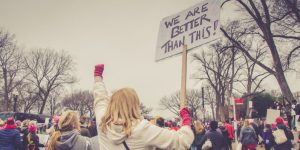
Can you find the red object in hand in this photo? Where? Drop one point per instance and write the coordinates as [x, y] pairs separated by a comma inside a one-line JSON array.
[[98, 70], [185, 116]]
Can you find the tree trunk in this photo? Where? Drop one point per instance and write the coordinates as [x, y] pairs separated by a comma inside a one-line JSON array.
[[284, 87], [213, 111], [222, 114], [279, 73], [43, 104], [6, 96], [217, 111]]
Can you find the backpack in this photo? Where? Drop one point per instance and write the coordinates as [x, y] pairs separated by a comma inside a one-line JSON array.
[[279, 136]]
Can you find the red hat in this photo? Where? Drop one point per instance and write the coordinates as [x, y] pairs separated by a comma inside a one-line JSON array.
[[10, 121], [32, 128], [279, 120]]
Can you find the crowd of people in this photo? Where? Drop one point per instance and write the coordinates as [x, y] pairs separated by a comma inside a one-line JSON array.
[[119, 125]]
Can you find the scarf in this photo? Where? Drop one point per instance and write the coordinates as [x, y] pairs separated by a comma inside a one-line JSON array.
[[9, 126]]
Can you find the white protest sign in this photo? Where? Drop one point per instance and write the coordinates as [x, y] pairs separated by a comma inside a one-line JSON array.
[[43, 139], [272, 114], [193, 27]]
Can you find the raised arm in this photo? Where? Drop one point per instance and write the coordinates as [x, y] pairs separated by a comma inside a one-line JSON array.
[[100, 94]]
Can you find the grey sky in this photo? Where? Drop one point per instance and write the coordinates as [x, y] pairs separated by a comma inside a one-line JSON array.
[[121, 34]]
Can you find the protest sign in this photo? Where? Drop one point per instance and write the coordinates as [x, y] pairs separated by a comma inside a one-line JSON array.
[[43, 139], [272, 114], [194, 26]]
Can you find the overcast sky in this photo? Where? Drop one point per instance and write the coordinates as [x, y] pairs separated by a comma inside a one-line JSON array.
[[121, 34]]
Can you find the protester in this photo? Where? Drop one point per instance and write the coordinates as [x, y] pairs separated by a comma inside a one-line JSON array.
[[33, 139], [199, 132], [230, 130], [224, 133], [216, 138], [248, 136], [121, 125], [10, 136], [293, 113], [160, 122], [18, 125], [287, 145], [2, 123], [83, 127], [54, 127], [174, 126], [24, 131], [93, 128], [68, 137], [267, 137]]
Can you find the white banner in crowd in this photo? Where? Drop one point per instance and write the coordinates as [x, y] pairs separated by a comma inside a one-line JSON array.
[[43, 139], [194, 26], [272, 114]]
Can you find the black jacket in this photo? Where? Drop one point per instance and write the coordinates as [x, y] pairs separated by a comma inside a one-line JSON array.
[[217, 139]]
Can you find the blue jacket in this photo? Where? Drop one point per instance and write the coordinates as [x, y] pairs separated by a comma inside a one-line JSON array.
[[9, 139]]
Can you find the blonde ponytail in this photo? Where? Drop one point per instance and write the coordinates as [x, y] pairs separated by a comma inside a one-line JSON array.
[[68, 121], [53, 140]]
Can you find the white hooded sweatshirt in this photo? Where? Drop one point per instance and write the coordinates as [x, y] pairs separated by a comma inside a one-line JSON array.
[[144, 136]]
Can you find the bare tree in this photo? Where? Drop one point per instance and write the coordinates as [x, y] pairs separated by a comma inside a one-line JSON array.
[[54, 105], [194, 102], [145, 110], [27, 97], [81, 101], [48, 70], [218, 69], [11, 64], [275, 29]]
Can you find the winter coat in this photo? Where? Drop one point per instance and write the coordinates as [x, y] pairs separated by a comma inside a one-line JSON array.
[[288, 144], [33, 142], [95, 143], [198, 138], [85, 131], [230, 130], [267, 137], [72, 140], [218, 141], [248, 136], [93, 131], [9, 139], [24, 131], [144, 135]]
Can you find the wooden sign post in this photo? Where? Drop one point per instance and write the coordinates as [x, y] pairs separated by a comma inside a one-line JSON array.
[[183, 100]]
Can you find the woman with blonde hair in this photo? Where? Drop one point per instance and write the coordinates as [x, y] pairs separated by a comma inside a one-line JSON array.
[[199, 132], [68, 136], [248, 136], [121, 125]]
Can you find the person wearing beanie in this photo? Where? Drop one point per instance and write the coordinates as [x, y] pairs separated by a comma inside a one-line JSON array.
[[217, 139], [122, 126], [288, 133], [10, 136], [54, 127], [33, 139]]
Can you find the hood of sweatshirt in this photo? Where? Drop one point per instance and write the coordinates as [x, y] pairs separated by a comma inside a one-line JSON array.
[[68, 140], [117, 135]]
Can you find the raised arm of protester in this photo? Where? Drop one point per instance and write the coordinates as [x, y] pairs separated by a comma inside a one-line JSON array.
[[121, 125]]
